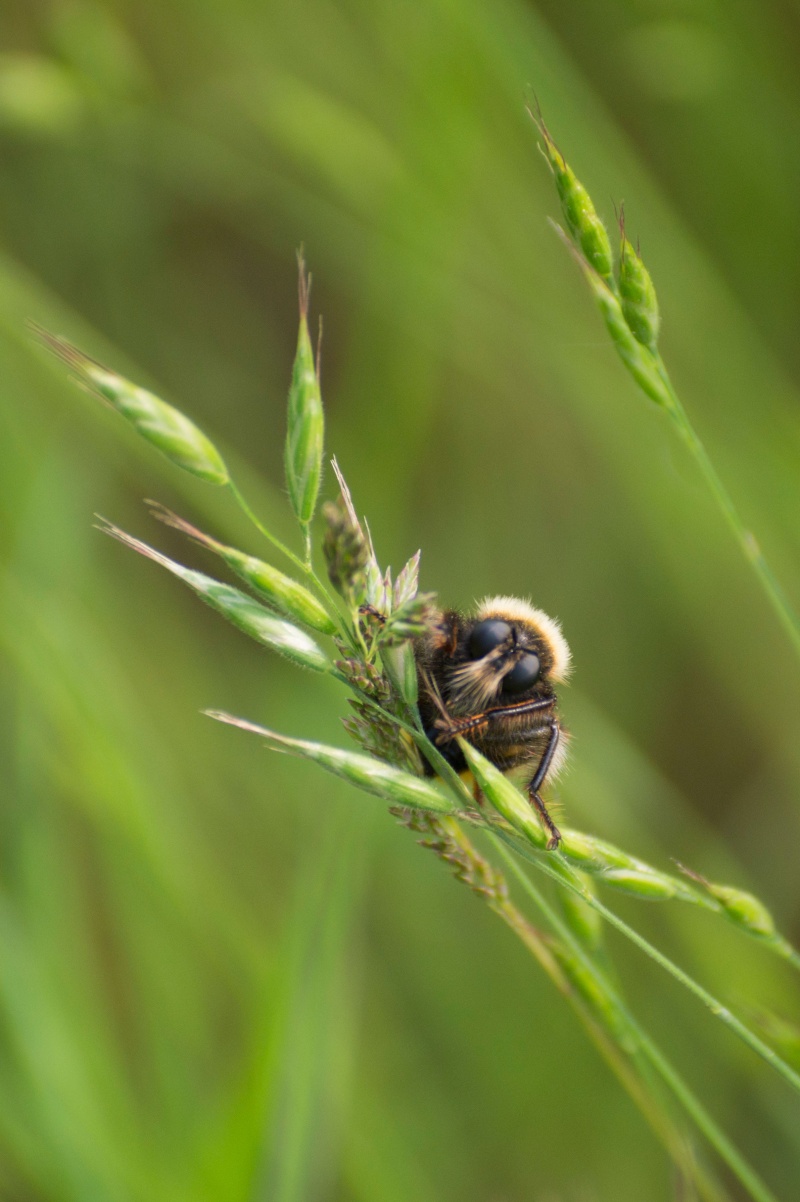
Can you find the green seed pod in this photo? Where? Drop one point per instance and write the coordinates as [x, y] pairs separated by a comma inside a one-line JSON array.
[[579, 212], [638, 296], [744, 909], [650, 885], [507, 800], [238, 608], [606, 855], [741, 907], [278, 590], [161, 424], [306, 424], [374, 776], [579, 847], [637, 358]]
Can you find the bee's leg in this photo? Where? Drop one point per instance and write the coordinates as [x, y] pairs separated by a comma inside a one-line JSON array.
[[550, 826], [452, 727], [536, 784]]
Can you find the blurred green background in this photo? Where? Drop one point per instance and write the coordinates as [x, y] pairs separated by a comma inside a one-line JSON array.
[[221, 975]]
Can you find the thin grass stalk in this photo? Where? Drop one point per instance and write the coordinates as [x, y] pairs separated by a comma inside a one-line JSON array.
[[469, 866], [556, 867], [691, 1103], [626, 1072], [785, 611], [510, 803]]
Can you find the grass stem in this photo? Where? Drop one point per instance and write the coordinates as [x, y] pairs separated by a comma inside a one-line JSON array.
[[555, 866], [693, 1106], [780, 603]]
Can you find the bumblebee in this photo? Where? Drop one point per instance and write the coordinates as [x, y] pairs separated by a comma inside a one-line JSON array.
[[490, 679]]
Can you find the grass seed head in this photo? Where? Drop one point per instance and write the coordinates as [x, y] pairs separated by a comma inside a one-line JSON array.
[[380, 736], [744, 909], [345, 546], [579, 212], [366, 677], [409, 620], [741, 907], [637, 293], [239, 609], [638, 359], [446, 840], [306, 424], [505, 798], [374, 776], [346, 553], [161, 424], [280, 591], [652, 886], [407, 583]]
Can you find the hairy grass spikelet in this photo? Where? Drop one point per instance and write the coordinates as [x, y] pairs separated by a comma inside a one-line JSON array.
[[239, 609], [401, 668], [446, 840], [505, 798], [408, 620], [407, 582], [613, 866], [169, 430], [740, 906], [630, 311], [374, 776], [637, 358], [306, 424], [579, 212], [346, 553], [280, 591], [653, 886], [637, 293], [744, 909]]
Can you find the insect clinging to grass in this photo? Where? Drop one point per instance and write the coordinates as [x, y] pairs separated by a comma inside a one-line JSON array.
[[490, 679]]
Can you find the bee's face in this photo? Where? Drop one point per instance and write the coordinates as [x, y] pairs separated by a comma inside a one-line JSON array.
[[507, 652]]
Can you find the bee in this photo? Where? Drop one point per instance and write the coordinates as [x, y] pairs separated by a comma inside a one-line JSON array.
[[490, 679]]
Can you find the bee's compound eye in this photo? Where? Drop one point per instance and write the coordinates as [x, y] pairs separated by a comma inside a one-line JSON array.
[[486, 636], [523, 675]]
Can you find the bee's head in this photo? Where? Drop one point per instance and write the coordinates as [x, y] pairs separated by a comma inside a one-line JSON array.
[[508, 651]]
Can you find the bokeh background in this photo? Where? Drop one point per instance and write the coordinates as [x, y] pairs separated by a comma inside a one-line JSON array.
[[223, 976]]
